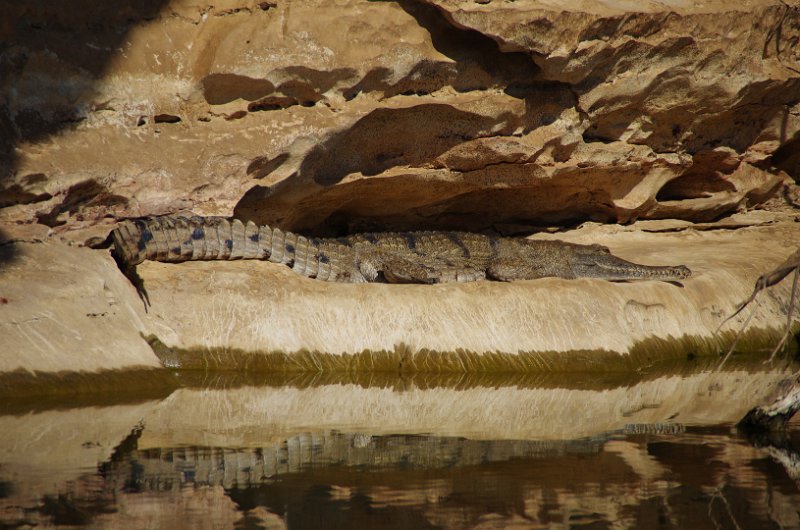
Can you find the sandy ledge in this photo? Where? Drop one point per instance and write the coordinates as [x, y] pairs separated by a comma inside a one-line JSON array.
[[69, 308], [258, 316]]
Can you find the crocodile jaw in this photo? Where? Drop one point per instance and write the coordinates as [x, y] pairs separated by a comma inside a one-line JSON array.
[[608, 267]]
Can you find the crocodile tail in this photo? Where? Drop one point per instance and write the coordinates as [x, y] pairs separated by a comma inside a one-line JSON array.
[[293, 250], [177, 238]]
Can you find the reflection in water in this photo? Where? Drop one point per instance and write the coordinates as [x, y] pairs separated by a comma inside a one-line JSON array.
[[705, 478], [223, 458]]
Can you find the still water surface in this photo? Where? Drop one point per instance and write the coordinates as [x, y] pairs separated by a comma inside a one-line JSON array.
[[656, 450]]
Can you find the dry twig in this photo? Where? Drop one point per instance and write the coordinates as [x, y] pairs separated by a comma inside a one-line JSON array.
[[775, 276]]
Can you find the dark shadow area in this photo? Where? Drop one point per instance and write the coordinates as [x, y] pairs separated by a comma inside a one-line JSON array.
[[219, 89], [17, 194], [302, 84], [7, 255], [392, 137], [308, 84], [88, 193], [22, 392], [478, 62], [473, 52], [501, 209], [787, 158], [263, 166], [55, 52], [707, 175], [445, 201]]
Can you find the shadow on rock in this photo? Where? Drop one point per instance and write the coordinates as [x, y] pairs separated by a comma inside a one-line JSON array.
[[8, 252], [408, 137], [60, 51], [480, 63]]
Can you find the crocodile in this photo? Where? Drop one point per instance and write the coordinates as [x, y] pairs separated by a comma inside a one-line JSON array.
[[389, 257]]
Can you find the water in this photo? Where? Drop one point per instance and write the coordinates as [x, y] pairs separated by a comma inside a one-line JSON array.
[[654, 450]]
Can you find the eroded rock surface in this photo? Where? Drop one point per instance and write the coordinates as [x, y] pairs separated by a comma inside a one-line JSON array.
[[400, 115], [498, 116]]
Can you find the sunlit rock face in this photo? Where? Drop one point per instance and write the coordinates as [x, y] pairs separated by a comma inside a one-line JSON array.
[[332, 118], [398, 115], [65, 308], [68, 308]]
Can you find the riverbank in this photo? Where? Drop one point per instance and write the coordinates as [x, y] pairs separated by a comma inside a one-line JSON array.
[[69, 309]]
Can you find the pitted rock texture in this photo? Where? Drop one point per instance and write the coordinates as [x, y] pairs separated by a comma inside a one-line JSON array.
[[335, 118]]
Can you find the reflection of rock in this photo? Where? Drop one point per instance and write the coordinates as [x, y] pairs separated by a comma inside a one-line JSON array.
[[251, 416], [622, 479], [165, 468], [625, 482], [43, 452], [578, 447]]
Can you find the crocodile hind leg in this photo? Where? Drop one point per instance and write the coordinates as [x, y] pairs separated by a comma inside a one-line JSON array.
[[395, 269], [400, 270], [381, 264]]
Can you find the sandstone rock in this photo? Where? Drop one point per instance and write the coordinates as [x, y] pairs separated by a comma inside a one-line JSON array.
[[70, 308], [401, 115], [458, 114], [664, 74], [64, 308]]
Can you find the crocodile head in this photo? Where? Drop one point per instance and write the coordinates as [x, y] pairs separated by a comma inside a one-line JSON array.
[[596, 261]]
